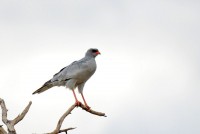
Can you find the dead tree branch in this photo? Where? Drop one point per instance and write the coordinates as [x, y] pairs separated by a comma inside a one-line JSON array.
[[92, 111], [11, 123], [2, 131], [59, 124], [66, 130]]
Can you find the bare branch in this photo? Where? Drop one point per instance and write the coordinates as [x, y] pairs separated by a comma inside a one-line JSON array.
[[2, 131], [63, 117], [66, 130], [92, 111], [4, 111], [10, 123], [21, 116], [59, 124]]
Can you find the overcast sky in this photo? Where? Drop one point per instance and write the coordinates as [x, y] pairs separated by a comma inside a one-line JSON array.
[[148, 77]]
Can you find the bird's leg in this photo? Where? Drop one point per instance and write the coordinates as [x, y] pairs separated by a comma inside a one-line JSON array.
[[85, 102], [77, 102]]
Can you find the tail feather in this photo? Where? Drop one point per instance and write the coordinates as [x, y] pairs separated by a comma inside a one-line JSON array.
[[45, 87]]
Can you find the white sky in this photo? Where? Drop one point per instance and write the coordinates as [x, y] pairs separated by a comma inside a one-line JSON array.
[[147, 80]]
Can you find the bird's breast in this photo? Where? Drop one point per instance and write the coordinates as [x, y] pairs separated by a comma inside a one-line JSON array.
[[86, 70]]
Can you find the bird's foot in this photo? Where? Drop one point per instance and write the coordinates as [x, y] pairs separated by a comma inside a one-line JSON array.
[[87, 107], [78, 103]]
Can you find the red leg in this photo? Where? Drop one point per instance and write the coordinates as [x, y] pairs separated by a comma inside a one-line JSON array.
[[77, 102], [85, 101]]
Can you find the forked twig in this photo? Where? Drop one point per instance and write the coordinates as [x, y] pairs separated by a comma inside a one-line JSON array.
[[11, 123], [59, 124]]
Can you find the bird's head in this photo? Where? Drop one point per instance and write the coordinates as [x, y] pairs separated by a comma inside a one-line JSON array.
[[92, 52]]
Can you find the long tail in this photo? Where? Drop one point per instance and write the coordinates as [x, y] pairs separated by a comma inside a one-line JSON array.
[[45, 87]]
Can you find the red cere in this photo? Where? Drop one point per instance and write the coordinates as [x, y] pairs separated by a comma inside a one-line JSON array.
[[98, 52]]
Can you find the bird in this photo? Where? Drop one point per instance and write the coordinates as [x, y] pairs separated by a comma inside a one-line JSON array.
[[74, 75]]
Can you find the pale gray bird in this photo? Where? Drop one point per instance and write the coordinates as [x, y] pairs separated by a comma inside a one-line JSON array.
[[74, 75]]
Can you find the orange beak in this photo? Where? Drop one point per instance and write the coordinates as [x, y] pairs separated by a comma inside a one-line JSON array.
[[98, 52]]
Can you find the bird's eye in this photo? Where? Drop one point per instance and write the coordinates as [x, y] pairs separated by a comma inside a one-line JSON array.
[[94, 51]]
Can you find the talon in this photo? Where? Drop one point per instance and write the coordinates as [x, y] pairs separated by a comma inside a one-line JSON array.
[[78, 103], [88, 108]]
